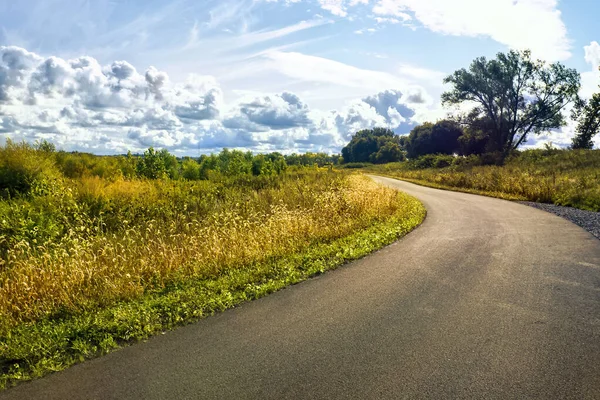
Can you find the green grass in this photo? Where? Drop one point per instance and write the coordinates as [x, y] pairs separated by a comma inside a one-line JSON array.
[[562, 177], [31, 350]]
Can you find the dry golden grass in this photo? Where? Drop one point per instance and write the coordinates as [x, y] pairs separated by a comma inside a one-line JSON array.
[[86, 271], [563, 177]]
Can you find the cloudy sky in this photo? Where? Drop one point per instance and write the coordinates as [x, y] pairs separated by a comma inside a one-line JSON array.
[[193, 76]]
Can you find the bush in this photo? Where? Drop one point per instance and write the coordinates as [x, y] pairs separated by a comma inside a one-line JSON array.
[[431, 161], [25, 170], [563, 177], [190, 170], [355, 165], [439, 138], [378, 145]]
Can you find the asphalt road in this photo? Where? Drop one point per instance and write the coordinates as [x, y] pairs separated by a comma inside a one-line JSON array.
[[486, 300]]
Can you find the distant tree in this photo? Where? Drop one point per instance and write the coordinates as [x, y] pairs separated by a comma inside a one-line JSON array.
[[170, 162], [128, 165], [366, 144], [439, 138], [475, 138], [587, 115], [261, 165], [190, 169], [278, 162], [151, 165], [45, 146], [389, 152], [520, 96]]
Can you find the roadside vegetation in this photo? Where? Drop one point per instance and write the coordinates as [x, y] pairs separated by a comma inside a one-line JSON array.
[[495, 106], [97, 252], [562, 177]]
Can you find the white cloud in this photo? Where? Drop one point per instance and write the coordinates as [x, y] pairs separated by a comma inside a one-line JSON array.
[[391, 8], [317, 69], [81, 105], [592, 54], [590, 80], [336, 7], [518, 24], [421, 74]]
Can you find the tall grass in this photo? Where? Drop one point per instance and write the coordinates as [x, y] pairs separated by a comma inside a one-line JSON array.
[[115, 254], [562, 177], [89, 262]]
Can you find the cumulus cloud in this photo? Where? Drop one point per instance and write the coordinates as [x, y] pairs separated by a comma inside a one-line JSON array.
[[592, 54], [388, 105], [281, 111], [83, 105], [590, 80], [16, 64]]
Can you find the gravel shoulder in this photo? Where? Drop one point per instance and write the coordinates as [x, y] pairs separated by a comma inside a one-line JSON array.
[[588, 220]]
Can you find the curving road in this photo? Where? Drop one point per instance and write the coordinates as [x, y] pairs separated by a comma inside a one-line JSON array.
[[487, 299]]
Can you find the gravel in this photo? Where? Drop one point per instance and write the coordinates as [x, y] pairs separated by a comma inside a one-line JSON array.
[[588, 220]]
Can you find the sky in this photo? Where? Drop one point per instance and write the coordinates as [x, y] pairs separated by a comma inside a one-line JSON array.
[[194, 76]]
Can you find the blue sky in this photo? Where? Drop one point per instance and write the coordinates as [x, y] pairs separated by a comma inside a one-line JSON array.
[[289, 75]]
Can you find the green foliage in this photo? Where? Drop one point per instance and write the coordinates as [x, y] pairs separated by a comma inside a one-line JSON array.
[[378, 145], [311, 159], [32, 350], [562, 177], [439, 138], [354, 165], [152, 165], [45, 146], [587, 115], [25, 170], [517, 95], [77, 165], [190, 170], [432, 161], [387, 153], [101, 257]]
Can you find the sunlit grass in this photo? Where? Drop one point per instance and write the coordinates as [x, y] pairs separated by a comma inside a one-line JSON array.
[[116, 261], [83, 273], [568, 178]]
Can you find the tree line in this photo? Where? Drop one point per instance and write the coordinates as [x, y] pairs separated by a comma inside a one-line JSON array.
[[507, 100]]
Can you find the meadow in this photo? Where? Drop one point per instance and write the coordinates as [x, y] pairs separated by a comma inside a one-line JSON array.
[[99, 252], [562, 177]]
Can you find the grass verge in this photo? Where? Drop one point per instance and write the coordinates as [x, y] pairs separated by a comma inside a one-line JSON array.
[[498, 195], [563, 177], [32, 350]]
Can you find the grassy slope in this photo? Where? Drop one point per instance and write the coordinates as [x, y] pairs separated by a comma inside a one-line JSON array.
[[32, 350], [567, 178]]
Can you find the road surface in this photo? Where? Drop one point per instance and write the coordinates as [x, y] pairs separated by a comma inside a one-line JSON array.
[[487, 299]]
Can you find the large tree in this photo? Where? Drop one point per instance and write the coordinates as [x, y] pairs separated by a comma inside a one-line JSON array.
[[587, 115], [439, 138], [517, 95], [378, 145]]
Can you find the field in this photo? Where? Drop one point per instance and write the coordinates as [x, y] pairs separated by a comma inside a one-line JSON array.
[[97, 252], [562, 177]]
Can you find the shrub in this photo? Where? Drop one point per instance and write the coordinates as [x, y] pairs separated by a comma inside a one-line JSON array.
[[431, 161], [25, 170]]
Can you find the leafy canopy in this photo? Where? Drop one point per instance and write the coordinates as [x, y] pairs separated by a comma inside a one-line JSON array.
[[378, 145], [587, 115], [520, 96], [439, 138]]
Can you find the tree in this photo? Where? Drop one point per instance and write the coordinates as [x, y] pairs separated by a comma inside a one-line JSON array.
[[439, 138], [520, 96], [587, 115], [366, 144], [190, 169], [389, 152], [152, 165]]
